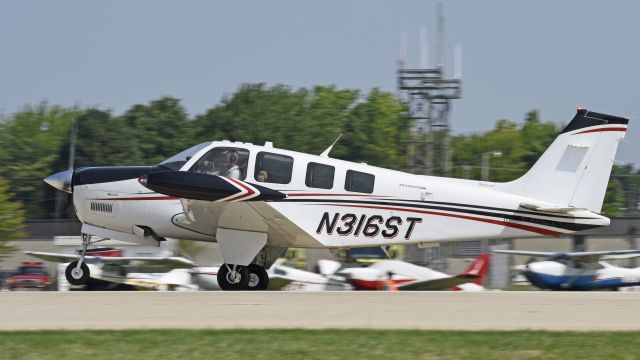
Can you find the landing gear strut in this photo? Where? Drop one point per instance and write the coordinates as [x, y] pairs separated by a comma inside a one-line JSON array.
[[233, 277], [77, 272]]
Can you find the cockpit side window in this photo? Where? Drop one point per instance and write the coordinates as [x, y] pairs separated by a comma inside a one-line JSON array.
[[359, 182], [273, 168], [223, 161], [320, 176]]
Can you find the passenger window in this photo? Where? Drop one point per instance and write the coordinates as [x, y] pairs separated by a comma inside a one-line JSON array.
[[319, 176], [224, 161], [273, 168], [359, 182]]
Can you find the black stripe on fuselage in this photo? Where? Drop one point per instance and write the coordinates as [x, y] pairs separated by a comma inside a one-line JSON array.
[[105, 174], [511, 217]]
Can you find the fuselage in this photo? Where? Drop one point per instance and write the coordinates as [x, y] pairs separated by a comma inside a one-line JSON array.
[[329, 203]]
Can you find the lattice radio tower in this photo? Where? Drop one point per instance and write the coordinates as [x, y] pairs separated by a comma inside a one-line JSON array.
[[429, 94]]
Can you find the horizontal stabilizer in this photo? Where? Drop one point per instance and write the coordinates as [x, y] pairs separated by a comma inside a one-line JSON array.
[[555, 210]]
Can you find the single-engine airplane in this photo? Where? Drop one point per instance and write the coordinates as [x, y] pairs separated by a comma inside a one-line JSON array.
[[578, 270], [256, 201]]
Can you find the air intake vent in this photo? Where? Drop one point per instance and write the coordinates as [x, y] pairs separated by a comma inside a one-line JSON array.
[[101, 207]]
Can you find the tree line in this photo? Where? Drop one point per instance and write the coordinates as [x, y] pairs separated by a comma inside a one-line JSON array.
[[34, 142]]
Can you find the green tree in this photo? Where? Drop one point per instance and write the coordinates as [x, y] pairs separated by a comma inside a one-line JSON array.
[[11, 220], [377, 132], [156, 131], [29, 143]]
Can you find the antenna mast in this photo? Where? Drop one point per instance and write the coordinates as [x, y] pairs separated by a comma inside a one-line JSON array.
[[429, 94]]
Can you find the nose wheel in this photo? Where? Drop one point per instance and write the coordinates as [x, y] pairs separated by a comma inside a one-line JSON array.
[[77, 272], [77, 275]]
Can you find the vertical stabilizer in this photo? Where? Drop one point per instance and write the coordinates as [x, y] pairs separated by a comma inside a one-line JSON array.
[[574, 171]]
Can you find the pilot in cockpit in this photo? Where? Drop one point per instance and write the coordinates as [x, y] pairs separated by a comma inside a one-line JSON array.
[[230, 162]]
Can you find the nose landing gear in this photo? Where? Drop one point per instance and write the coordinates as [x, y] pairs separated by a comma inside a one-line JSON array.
[[77, 272]]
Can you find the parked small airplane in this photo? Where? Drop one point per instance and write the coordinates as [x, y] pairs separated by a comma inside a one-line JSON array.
[[400, 275], [282, 277], [578, 270], [149, 272], [256, 201]]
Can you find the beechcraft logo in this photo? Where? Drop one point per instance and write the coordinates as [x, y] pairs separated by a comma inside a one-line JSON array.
[[369, 226]]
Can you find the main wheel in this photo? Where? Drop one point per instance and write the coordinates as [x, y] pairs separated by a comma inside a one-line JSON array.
[[228, 279], [258, 278], [77, 276]]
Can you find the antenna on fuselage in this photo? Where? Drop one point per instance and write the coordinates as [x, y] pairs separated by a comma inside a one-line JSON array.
[[326, 152]]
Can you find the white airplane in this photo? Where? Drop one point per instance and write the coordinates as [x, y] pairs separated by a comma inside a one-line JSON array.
[[110, 265], [578, 270], [400, 275], [256, 201], [282, 277]]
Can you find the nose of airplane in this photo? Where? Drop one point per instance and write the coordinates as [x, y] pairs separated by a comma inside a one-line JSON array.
[[61, 180]]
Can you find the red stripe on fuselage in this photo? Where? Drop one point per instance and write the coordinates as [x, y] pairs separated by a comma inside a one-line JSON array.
[[534, 229], [337, 195], [361, 284], [602, 129]]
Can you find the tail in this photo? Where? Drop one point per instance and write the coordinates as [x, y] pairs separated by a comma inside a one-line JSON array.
[[574, 171], [478, 268]]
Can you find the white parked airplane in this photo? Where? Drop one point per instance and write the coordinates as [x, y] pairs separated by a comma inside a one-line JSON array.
[[578, 270], [282, 277], [148, 272], [400, 275], [256, 201]]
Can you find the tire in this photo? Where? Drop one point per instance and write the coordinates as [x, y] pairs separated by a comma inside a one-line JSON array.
[[78, 279], [223, 278], [258, 278]]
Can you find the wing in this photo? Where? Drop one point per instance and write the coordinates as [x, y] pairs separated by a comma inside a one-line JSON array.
[[439, 284], [525, 252], [199, 186], [584, 256], [172, 261]]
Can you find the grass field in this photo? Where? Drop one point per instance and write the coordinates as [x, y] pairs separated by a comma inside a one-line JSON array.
[[320, 344]]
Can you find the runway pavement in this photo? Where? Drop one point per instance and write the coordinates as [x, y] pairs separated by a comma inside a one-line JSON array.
[[374, 310]]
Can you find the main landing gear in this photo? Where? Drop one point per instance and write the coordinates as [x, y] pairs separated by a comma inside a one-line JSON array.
[[77, 272], [238, 277]]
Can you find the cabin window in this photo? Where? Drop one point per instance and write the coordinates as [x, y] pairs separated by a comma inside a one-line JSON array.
[[359, 182], [319, 176], [223, 161], [273, 168]]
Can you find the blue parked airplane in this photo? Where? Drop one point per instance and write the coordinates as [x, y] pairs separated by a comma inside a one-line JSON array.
[[578, 271]]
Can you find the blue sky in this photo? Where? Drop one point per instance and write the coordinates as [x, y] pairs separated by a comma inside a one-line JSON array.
[[548, 55]]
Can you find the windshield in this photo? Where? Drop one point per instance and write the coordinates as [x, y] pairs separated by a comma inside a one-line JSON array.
[[176, 161]]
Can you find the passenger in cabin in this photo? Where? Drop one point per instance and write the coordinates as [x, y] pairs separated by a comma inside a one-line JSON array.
[[263, 176], [230, 162]]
